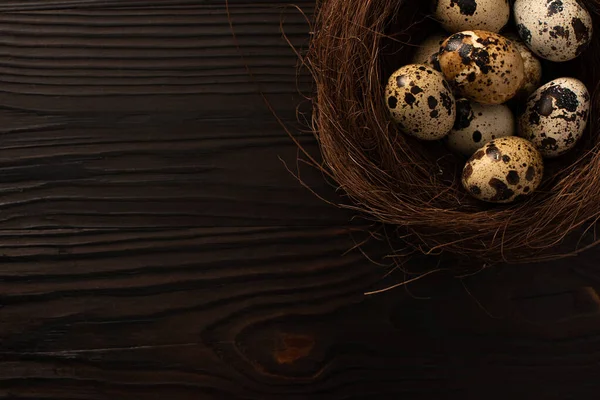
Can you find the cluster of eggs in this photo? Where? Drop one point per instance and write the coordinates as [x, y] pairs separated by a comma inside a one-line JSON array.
[[457, 86]]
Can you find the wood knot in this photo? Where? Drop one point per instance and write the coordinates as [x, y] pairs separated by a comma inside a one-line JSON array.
[[291, 347]]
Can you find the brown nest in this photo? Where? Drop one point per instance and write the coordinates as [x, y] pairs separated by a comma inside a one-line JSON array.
[[415, 186]]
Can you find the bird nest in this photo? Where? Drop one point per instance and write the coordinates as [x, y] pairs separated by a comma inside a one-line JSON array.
[[415, 186]]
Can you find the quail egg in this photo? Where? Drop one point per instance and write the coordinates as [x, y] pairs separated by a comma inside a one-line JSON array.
[[420, 102], [531, 67], [427, 50], [557, 30], [556, 116], [459, 15], [477, 124], [482, 66], [504, 170]]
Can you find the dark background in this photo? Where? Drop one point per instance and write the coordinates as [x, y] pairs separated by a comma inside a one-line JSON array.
[[153, 244]]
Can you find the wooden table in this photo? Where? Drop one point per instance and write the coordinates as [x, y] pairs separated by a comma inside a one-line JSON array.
[[154, 244]]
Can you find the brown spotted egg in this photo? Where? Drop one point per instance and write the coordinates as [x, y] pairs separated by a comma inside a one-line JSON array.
[[556, 116], [428, 49], [532, 68], [482, 66], [504, 170], [477, 124], [420, 102], [557, 30], [460, 15]]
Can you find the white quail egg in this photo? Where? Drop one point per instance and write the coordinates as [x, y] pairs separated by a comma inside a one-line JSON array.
[[460, 15], [428, 49], [556, 116], [420, 102], [531, 67], [477, 124], [557, 30]]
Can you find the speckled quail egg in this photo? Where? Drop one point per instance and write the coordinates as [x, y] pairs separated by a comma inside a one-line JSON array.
[[460, 15], [557, 30], [420, 102], [482, 66], [503, 170], [531, 66], [428, 49], [556, 116], [477, 124]]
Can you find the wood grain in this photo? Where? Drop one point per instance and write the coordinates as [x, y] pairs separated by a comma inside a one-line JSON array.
[[154, 245], [110, 98]]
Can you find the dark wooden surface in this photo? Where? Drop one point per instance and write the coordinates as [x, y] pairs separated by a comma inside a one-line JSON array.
[[153, 244]]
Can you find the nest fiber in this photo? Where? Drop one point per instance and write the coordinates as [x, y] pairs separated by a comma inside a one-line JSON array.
[[415, 186]]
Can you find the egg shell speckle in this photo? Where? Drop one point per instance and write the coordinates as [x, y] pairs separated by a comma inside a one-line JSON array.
[[460, 15], [504, 170], [557, 30], [427, 49], [477, 124], [482, 66], [556, 116], [531, 67], [420, 102]]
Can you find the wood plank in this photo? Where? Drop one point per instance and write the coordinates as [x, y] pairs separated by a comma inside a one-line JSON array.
[[269, 313], [151, 171], [124, 60], [100, 103]]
